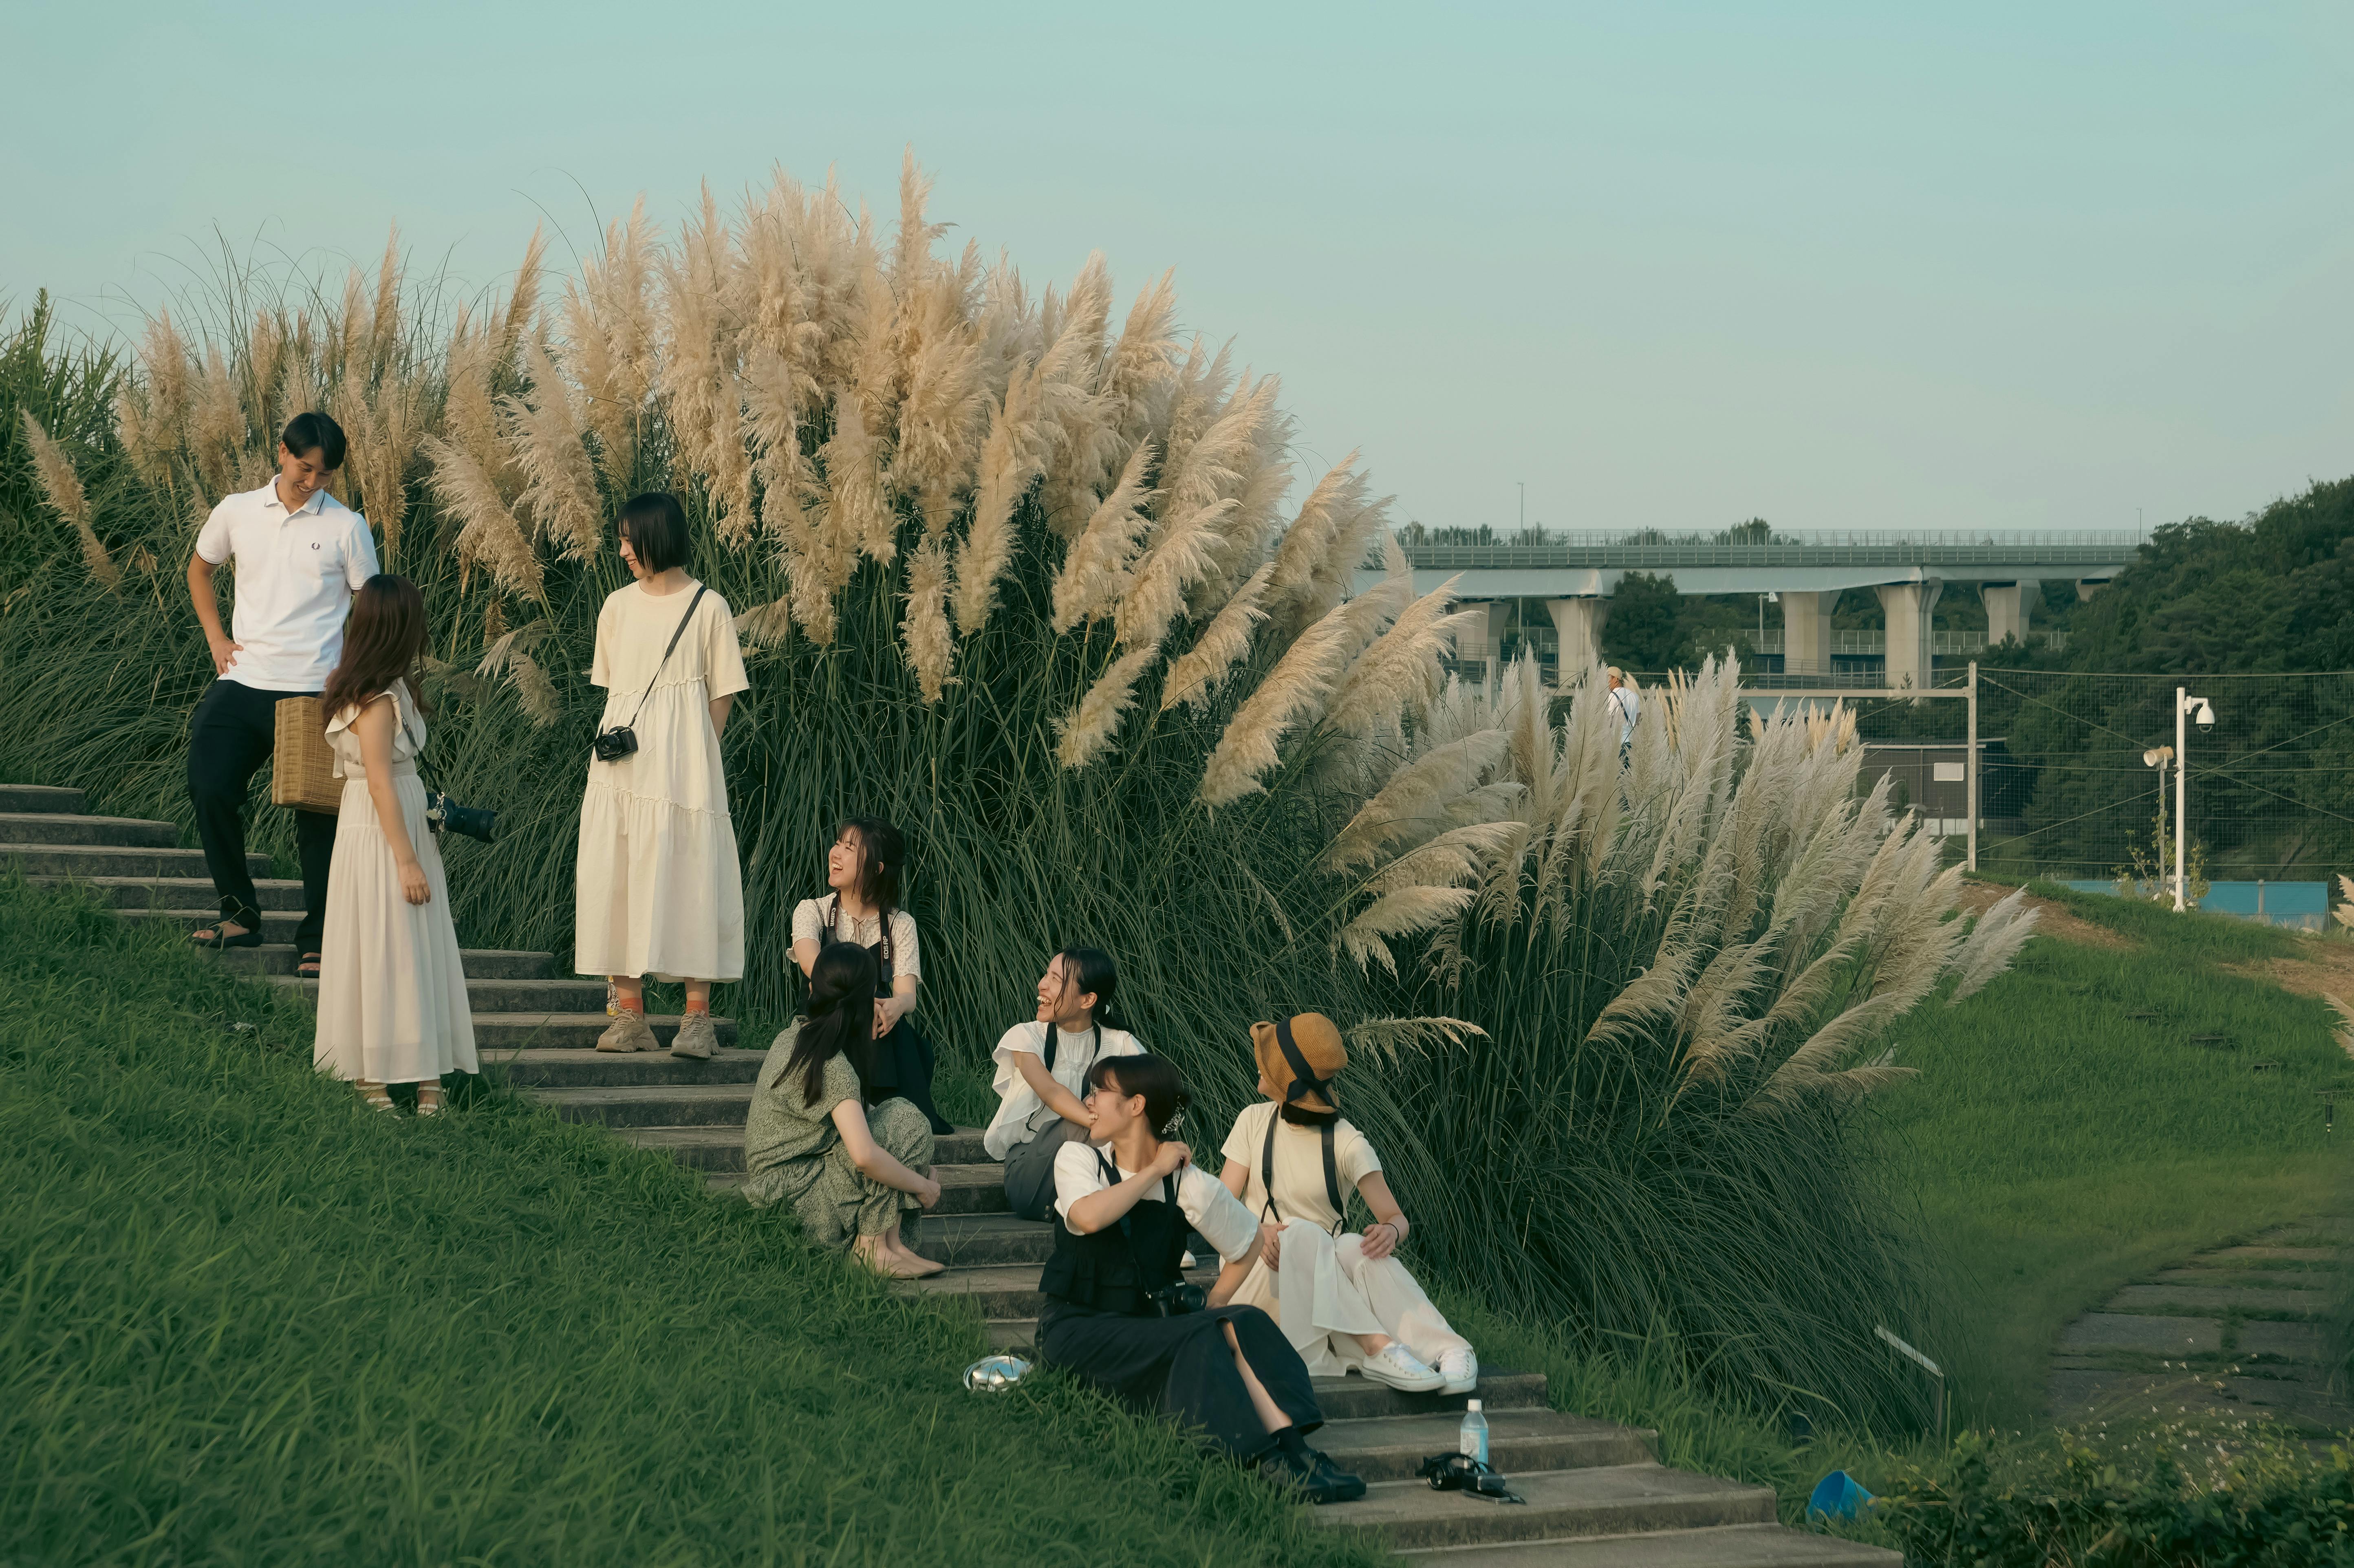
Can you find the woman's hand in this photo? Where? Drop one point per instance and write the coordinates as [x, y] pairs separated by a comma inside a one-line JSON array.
[[929, 1194], [1381, 1239], [886, 1016], [1270, 1244], [413, 885], [1171, 1158]]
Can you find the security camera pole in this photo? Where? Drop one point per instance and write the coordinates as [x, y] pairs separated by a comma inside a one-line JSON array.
[[2183, 704]]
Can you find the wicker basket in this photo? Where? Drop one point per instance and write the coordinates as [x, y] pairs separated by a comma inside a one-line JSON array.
[[302, 765]]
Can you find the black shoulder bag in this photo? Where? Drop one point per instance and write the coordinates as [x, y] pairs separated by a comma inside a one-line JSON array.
[[1174, 1300], [1303, 1082], [612, 744]]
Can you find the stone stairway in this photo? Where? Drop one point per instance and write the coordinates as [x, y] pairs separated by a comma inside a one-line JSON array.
[[1595, 1494]]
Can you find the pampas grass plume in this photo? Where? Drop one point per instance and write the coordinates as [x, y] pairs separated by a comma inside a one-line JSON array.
[[930, 646], [1293, 691], [1095, 572], [490, 535], [1089, 727], [1223, 644], [62, 486]]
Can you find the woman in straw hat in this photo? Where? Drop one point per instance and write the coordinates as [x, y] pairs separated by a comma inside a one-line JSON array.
[[1345, 1301]]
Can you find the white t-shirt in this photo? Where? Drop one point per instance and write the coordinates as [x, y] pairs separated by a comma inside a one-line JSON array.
[[866, 930], [296, 573], [1299, 1164], [1021, 1114], [1223, 1223]]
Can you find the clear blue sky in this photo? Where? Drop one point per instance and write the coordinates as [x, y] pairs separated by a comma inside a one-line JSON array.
[[1837, 265]]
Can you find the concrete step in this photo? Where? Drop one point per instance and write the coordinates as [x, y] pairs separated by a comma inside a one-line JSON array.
[[1726, 1546], [572, 1031], [277, 926], [1388, 1448], [490, 997], [720, 1148], [1608, 1500], [482, 964], [593, 1069], [38, 858], [635, 1107], [977, 1241], [72, 828], [41, 798], [180, 891]]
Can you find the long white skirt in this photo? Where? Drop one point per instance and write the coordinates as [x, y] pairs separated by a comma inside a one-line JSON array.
[[1325, 1291], [392, 989]]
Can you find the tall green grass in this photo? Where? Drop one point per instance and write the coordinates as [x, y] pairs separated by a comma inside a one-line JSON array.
[[249, 1321], [2059, 1147]]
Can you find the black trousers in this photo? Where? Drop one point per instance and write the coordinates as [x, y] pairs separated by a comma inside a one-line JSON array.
[[900, 1063], [1183, 1368], [232, 734]]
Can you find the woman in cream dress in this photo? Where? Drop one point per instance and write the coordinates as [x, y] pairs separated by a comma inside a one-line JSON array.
[[392, 989], [1345, 1302], [659, 890]]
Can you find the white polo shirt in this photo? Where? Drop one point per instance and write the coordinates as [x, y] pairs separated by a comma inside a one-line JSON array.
[[296, 573]]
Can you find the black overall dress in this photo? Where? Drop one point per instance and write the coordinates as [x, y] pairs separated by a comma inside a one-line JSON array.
[[900, 1063], [1097, 1324]]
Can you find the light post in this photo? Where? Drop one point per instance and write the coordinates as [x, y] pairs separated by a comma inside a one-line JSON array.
[[2185, 704]]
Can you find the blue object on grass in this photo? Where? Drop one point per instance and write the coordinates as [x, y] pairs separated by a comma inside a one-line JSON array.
[[1836, 1495]]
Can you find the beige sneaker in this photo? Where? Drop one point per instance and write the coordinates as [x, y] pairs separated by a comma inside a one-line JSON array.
[[695, 1037], [628, 1032]]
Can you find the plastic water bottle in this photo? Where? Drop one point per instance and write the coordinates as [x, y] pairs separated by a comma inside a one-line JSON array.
[[1471, 1437]]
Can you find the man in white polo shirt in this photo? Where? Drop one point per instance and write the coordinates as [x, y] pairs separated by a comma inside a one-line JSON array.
[[299, 554]]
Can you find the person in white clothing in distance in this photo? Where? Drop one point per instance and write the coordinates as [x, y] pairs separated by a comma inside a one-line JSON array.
[[1346, 1303], [1625, 702]]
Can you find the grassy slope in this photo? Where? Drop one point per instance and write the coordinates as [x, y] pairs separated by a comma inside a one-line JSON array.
[[248, 1322], [2059, 1148]]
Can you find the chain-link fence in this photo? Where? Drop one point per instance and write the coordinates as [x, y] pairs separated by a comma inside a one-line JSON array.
[[2071, 789]]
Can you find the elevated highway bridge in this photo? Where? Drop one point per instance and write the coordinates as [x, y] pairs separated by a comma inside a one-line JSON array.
[[1573, 573]]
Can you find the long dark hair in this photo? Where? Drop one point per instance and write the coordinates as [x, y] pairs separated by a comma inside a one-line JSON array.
[[839, 1018], [882, 856], [1089, 971], [1156, 1079], [382, 643]]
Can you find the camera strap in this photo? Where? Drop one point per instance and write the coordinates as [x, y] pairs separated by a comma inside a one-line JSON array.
[[700, 589], [1304, 1081]]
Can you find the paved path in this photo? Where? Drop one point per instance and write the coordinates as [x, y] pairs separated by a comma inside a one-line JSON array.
[[2241, 1331]]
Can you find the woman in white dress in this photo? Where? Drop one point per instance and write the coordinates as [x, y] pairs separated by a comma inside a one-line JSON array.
[[392, 989], [1042, 1073], [862, 870], [1346, 1302], [659, 892]]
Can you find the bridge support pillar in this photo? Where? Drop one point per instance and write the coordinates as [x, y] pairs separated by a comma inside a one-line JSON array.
[[2087, 587], [1807, 633], [1577, 623], [2009, 608], [1483, 638], [1910, 609]]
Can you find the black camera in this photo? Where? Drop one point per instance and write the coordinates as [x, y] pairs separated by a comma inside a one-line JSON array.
[[612, 744], [443, 813], [1176, 1300]]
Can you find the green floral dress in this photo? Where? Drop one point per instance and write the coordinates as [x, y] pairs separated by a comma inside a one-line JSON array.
[[793, 1153]]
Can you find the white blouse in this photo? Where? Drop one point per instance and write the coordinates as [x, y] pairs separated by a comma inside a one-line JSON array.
[[1218, 1215], [1021, 1114], [866, 930], [1300, 1192]]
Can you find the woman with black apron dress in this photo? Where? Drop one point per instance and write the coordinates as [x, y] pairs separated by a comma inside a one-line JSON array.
[[862, 869], [1120, 1313]]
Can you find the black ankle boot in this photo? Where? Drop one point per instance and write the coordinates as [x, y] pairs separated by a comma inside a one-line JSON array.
[[1309, 1475]]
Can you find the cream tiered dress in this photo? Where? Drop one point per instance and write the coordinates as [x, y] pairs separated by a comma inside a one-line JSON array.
[[392, 989], [659, 892]]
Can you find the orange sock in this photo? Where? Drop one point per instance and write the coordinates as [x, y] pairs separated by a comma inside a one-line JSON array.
[[628, 1003], [695, 1005]]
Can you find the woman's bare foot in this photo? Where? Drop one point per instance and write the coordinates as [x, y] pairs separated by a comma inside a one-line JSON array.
[[918, 1267]]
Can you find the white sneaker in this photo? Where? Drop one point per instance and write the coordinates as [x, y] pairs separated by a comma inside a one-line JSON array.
[[1461, 1370], [1396, 1366]]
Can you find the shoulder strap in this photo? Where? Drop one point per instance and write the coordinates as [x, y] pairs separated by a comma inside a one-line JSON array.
[[1048, 1054], [700, 589], [1126, 1231]]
